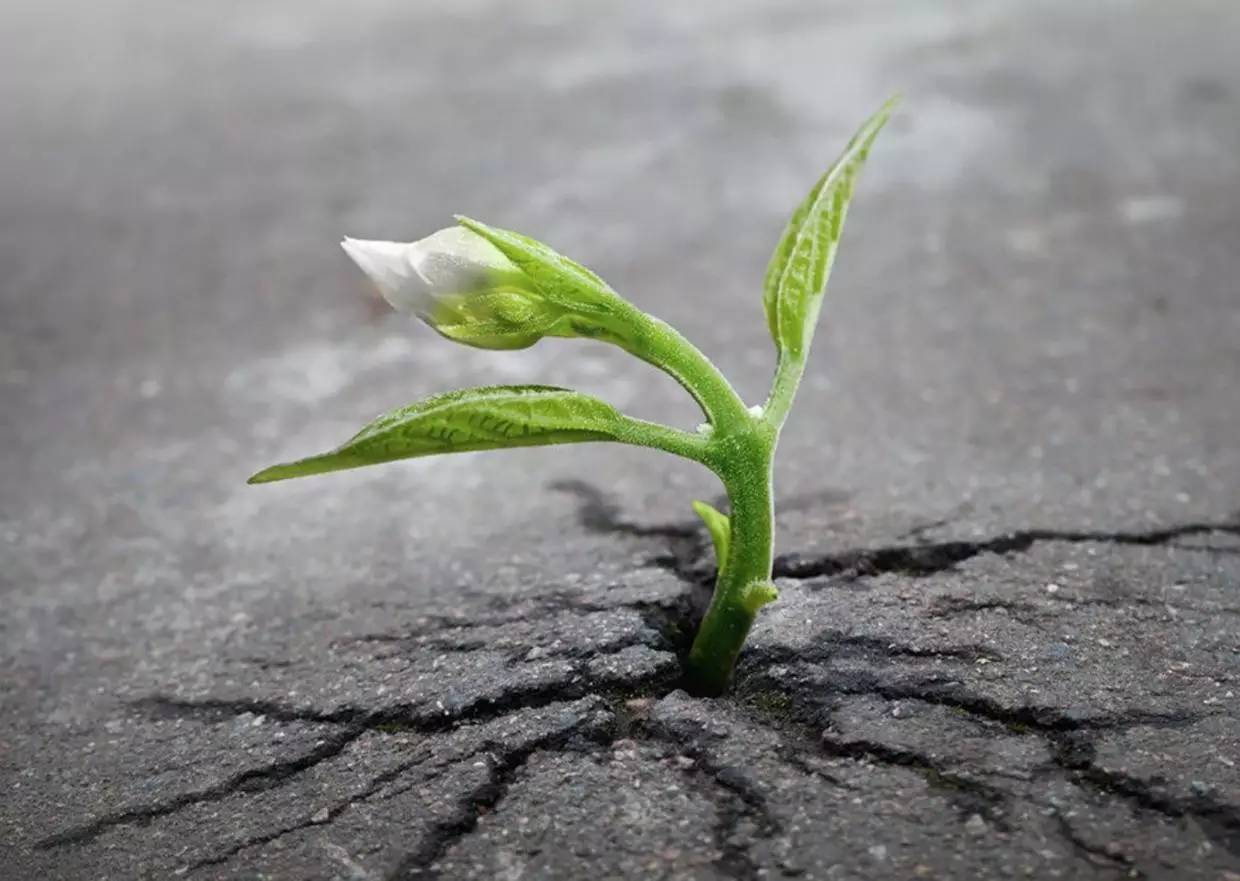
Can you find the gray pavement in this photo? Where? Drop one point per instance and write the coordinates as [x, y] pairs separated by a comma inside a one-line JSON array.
[[1009, 638]]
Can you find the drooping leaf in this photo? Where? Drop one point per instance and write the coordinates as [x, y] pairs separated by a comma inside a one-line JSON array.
[[796, 277], [720, 528], [487, 418], [561, 280]]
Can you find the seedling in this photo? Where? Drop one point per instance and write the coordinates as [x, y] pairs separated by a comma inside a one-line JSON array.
[[495, 289]]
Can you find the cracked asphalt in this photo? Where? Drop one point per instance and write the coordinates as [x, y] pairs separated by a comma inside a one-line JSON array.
[[1008, 641]]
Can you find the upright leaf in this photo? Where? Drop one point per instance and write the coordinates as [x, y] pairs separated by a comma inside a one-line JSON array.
[[720, 528], [488, 418], [796, 277]]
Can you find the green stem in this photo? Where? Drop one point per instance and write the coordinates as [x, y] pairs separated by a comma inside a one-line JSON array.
[[741, 450], [783, 389], [743, 457], [658, 343], [744, 461], [640, 433]]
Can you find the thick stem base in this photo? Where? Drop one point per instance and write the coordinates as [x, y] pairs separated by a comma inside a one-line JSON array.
[[742, 587]]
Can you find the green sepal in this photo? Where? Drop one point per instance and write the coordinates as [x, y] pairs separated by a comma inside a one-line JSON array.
[[796, 277], [562, 281], [720, 528], [496, 319], [487, 418]]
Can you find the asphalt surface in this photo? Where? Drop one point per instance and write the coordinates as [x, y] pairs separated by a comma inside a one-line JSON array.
[[1009, 638]]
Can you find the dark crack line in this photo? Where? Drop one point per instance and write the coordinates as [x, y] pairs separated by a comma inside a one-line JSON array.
[[669, 619], [403, 717], [421, 863], [512, 654], [1025, 718], [599, 514], [1099, 857], [506, 612], [663, 621], [375, 785], [830, 644], [791, 756], [210, 709], [921, 560], [734, 859], [968, 795], [1218, 820], [577, 682], [1209, 549], [743, 803], [251, 780], [687, 543], [1070, 739], [504, 765], [800, 731], [949, 607], [1018, 719]]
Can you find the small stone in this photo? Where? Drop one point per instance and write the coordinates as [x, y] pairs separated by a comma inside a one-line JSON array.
[[878, 851], [321, 816], [639, 705], [1058, 650], [975, 825], [1052, 588]]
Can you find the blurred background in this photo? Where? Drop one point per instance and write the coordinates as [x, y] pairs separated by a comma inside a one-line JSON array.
[[1034, 319]]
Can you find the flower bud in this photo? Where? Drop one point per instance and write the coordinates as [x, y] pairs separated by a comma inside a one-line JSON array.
[[462, 286]]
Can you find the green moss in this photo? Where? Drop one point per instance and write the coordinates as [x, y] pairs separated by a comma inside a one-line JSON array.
[[771, 702]]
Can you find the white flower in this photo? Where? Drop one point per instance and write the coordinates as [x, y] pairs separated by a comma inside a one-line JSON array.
[[413, 276], [461, 285]]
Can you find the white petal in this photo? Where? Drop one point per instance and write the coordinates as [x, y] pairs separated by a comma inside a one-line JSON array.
[[458, 261], [388, 266]]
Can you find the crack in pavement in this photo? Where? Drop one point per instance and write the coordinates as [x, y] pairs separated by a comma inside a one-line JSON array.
[[970, 796], [744, 803], [505, 763], [922, 560], [599, 514], [1102, 857], [250, 780], [418, 718], [1018, 719], [1218, 820], [375, 785], [356, 721], [1069, 736], [831, 643]]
